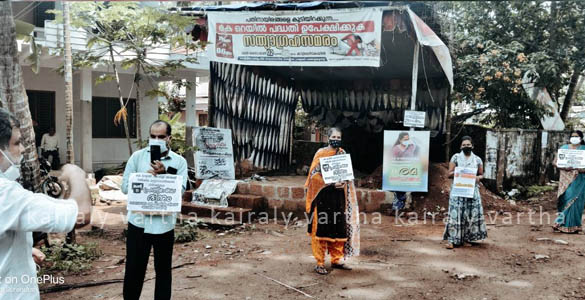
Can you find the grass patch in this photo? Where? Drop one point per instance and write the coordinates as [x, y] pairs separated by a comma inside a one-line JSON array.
[[67, 258], [535, 190]]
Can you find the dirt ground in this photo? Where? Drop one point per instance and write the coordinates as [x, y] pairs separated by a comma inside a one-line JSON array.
[[398, 260]]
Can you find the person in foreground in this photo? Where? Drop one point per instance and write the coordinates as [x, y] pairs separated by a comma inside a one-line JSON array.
[[146, 232], [571, 193], [466, 222], [22, 212], [334, 222]]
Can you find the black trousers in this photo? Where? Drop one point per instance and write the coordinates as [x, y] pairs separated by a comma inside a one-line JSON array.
[[138, 245], [56, 162]]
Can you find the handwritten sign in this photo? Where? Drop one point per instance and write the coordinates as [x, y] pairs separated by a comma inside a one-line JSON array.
[[214, 157], [336, 168], [159, 194], [414, 118], [464, 182], [571, 158]]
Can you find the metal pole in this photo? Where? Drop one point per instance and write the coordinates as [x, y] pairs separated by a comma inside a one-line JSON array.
[[414, 78]]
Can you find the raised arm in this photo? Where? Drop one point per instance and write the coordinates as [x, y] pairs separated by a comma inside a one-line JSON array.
[[79, 191]]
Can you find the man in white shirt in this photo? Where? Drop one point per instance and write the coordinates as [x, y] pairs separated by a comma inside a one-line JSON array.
[[22, 212], [50, 148]]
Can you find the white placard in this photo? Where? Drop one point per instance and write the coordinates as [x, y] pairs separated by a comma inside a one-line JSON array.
[[571, 158], [159, 194], [464, 182], [214, 156], [414, 118], [214, 192], [336, 168]]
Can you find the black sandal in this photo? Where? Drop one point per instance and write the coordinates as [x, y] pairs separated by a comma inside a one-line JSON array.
[[341, 266], [321, 270]]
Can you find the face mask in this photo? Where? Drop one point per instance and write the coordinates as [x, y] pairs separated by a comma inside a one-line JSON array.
[[335, 143], [575, 140], [161, 143], [13, 172], [467, 150], [405, 143]]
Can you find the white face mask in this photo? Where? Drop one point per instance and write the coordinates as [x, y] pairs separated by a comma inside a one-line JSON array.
[[161, 143], [575, 140], [13, 172]]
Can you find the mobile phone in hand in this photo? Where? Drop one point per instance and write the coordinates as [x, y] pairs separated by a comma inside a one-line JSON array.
[[171, 170], [154, 153]]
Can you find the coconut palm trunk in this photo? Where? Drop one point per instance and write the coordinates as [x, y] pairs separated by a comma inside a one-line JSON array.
[[13, 96], [68, 74]]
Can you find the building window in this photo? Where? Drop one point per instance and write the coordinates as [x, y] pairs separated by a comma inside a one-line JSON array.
[[203, 120], [41, 13], [103, 112], [42, 112]]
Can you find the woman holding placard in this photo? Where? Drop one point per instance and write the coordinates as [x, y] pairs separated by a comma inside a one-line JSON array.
[[331, 208], [466, 222], [571, 193]]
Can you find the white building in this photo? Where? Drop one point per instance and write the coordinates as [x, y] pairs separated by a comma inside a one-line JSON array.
[[97, 141]]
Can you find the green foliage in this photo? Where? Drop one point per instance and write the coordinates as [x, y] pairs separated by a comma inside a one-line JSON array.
[[171, 91], [70, 258], [495, 43], [536, 190], [178, 142], [186, 232]]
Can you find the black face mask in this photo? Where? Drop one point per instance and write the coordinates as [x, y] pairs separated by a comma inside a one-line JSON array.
[[335, 143], [467, 150]]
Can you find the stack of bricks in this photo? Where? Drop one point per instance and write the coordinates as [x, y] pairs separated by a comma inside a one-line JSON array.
[[292, 198]]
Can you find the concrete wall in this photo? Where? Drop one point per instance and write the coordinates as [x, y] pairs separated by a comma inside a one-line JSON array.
[[106, 152], [521, 156]]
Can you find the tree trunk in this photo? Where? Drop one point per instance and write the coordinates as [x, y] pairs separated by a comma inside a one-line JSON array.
[[68, 74], [13, 96], [571, 91], [137, 79], [125, 122]]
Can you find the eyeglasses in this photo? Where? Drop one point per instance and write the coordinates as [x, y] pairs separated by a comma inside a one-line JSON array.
[[160, 137]]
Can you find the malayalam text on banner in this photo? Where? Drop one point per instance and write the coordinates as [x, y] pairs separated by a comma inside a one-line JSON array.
[[214, 156], [464, 181], [406, 161], [336, 168], [158, 194], [571, 158], [340, 37]]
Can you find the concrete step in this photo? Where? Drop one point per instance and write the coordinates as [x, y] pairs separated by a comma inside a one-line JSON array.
[[238, 214], [253, 202]]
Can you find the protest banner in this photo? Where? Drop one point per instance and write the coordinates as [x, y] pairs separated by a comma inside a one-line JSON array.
[[214, 156], [406, 161], [336, 168], [155, 194], [571, 158], [340, 37], [464, 181]]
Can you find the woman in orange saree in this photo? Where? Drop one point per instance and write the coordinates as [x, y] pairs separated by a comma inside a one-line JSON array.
[[334, 215]]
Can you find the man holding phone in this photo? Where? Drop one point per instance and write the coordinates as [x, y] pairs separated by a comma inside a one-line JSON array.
[[152, 231]]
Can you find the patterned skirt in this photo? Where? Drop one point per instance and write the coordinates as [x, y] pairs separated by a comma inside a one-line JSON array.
[[466, 222]]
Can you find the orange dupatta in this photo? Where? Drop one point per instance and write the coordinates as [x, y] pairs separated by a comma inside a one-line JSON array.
[[315, 184]]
